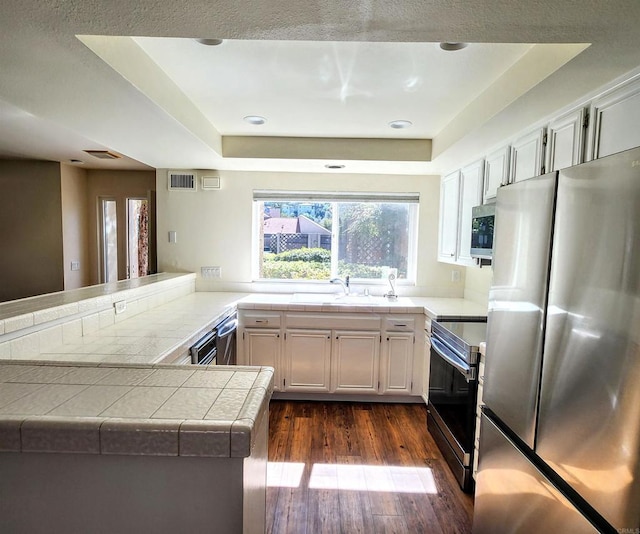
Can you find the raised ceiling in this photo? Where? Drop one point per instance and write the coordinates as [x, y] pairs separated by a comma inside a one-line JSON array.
[[130, 77]]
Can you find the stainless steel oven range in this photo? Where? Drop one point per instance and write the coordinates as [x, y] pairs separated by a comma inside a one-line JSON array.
[[453, 388]]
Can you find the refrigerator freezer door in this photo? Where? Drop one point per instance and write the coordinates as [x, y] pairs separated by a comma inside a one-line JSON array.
[[524, 214], [513, 496], [589, 420]]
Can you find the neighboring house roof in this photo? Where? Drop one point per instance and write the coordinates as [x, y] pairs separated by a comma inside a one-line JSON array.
[[293, 225], [281, 225]]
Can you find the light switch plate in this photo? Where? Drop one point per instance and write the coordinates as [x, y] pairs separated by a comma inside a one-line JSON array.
[[75, 265]]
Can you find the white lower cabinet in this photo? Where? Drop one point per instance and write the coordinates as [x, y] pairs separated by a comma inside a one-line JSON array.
[[396, 373], [355, 362], [345, 353], [307, 360], [262, 346]]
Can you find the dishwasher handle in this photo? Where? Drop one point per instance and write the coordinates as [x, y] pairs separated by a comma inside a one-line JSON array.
[[227, 328]]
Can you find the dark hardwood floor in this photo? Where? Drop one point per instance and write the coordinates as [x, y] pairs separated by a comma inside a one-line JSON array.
[[348, 468]]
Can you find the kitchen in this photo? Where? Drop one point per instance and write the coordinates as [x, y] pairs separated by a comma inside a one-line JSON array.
[[230, 208]]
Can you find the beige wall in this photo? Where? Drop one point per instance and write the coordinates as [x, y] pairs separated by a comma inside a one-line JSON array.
[[214, 227], [30, 229], [477, 284], [119, 185], [75, 226]]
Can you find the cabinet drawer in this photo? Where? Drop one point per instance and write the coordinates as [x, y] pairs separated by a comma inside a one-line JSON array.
[[399, 323], [360, 321], [260, 320]]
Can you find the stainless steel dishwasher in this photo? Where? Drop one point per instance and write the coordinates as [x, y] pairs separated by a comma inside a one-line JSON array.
[[218, 346], [226, 340]]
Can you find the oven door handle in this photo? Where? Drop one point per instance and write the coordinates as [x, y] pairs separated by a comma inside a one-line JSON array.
[[442, 351]]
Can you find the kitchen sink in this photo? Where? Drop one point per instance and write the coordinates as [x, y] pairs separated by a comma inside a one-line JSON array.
[[347, 300]]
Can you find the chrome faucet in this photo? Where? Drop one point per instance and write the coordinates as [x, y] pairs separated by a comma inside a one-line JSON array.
[[344, 283]]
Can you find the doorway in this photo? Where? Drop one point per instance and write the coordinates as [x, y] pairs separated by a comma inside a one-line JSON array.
[[109, 241], [126, 237]]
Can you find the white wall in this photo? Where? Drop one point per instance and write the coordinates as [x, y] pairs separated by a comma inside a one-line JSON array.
[[214, 228]]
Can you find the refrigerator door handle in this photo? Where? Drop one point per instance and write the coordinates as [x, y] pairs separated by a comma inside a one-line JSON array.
[[442, 351]]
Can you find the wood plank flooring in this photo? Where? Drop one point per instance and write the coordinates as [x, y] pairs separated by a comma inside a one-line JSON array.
[[346, 468]]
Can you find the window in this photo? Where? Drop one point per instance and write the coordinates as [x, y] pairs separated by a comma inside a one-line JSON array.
[[318, 236]]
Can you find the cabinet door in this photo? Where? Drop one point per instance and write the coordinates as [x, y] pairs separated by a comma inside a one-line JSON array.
[[614, 121], [470, 195], [496, 172], [355, 362], [527, 156], [397, 363], [262, 347], [565, 146], [449, 217], [307, 360]]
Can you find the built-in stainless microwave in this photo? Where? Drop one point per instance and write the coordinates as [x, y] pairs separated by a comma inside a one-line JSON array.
[[482, 221]]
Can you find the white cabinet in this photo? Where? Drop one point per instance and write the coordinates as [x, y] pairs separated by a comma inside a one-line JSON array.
[[319, 352], [471, 178], [449, 210], [261, 346], [355, 362], [459, 192], [615, 117], [527, 156], [396, 371], [496, 172], [565, 141], [307, 360]]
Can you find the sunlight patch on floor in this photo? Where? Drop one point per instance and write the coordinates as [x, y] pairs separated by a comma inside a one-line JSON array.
[[382, 478], [284, 474]]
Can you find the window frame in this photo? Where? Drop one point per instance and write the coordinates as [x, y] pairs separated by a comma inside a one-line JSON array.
[[262, 196]]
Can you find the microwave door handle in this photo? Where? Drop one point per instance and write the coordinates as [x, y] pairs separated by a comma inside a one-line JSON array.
[[467, 371]]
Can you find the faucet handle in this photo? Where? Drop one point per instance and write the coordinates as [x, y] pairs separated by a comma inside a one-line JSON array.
[[346, 280]]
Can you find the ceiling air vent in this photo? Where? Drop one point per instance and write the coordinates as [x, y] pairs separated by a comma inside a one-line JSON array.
[[102, 154], [182, 180]]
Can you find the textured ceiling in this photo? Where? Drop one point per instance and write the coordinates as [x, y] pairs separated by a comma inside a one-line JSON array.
[[58, 97]]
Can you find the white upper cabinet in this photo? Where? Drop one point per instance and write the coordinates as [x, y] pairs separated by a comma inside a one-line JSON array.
[[449, 206], [565, 142], [470, 195], [496, 172], [615, 121], [527, 156]]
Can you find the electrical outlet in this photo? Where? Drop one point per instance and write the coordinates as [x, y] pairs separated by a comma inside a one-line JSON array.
[[120, 306], [455, 276], [211, 272], [75, 265]]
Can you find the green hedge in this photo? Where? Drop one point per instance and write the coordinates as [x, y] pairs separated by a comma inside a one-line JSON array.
[[301, 254], [296, 270]]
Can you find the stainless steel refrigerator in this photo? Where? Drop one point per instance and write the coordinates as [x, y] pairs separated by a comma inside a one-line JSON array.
[[560, 434]]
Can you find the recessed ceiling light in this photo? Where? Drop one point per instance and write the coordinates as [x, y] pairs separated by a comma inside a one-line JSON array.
[[398, 125], [452, 47], [334, 166], [210, 42], [255, 119]]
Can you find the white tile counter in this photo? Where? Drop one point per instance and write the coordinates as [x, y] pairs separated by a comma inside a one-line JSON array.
[[443, 309], [149, 410]]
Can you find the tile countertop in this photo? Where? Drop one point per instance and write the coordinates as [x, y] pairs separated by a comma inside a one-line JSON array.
[[165, 410], [441, 309], [155, 336]]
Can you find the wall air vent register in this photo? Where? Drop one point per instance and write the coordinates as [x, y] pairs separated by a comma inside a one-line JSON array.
[[182, 180]]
